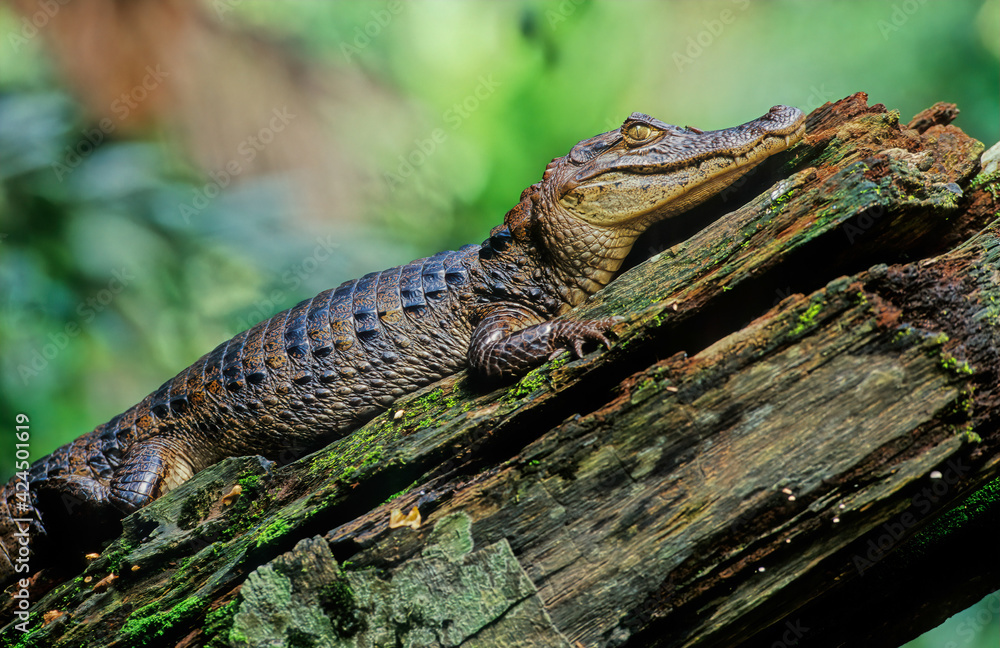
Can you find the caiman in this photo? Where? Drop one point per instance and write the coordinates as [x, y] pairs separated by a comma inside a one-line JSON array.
[[316, 371]]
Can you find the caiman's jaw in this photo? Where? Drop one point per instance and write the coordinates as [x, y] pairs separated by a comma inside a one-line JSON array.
[[648, 170], [593, 203]]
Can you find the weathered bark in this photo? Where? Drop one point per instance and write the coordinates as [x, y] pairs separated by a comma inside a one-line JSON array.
[[795, 437]]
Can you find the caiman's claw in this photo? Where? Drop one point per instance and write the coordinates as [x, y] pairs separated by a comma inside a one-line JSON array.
[[575, 334]]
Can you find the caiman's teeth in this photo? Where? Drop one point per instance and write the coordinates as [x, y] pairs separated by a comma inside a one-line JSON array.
[[740, 159]]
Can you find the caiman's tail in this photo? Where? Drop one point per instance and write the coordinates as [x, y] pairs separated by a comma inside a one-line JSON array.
[[68, 489]]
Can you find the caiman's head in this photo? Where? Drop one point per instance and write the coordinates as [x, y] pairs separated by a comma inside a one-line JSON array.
[[592, 203]]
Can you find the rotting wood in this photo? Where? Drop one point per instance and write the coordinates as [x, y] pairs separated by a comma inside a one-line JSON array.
[[798, 422]]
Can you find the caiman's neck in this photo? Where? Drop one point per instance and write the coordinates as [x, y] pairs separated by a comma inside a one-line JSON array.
[[582, 258]]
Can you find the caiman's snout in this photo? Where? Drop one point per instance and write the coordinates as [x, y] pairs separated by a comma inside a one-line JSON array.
[[648, 170], [787, 116], [779, 121]]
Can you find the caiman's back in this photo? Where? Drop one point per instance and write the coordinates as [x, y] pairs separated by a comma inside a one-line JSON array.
[[292, 382]]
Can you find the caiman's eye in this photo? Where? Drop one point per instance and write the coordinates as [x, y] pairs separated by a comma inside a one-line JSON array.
[[637, 133]]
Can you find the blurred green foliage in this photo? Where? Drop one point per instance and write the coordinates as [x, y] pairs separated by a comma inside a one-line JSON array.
[[105, 291], [976, 627]]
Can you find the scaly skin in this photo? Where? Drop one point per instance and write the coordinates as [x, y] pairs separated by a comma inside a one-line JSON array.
[[312, 373]]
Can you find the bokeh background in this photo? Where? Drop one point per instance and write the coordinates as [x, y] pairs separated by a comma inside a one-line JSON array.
[[172, 171]]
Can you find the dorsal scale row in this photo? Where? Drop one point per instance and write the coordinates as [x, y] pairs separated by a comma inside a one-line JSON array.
[[330, 323]]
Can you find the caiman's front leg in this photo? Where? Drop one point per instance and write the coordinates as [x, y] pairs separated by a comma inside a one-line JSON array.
[[511, 340], [148, 469]]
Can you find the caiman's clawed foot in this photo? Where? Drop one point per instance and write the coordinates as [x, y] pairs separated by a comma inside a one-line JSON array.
[[496, 352], [574, 335]]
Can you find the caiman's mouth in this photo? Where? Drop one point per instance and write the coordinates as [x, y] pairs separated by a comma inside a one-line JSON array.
[[701, 169], [652, 169], [732, 159], [708, 164]]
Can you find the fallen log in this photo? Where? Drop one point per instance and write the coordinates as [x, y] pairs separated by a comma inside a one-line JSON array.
[[794, 438]]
